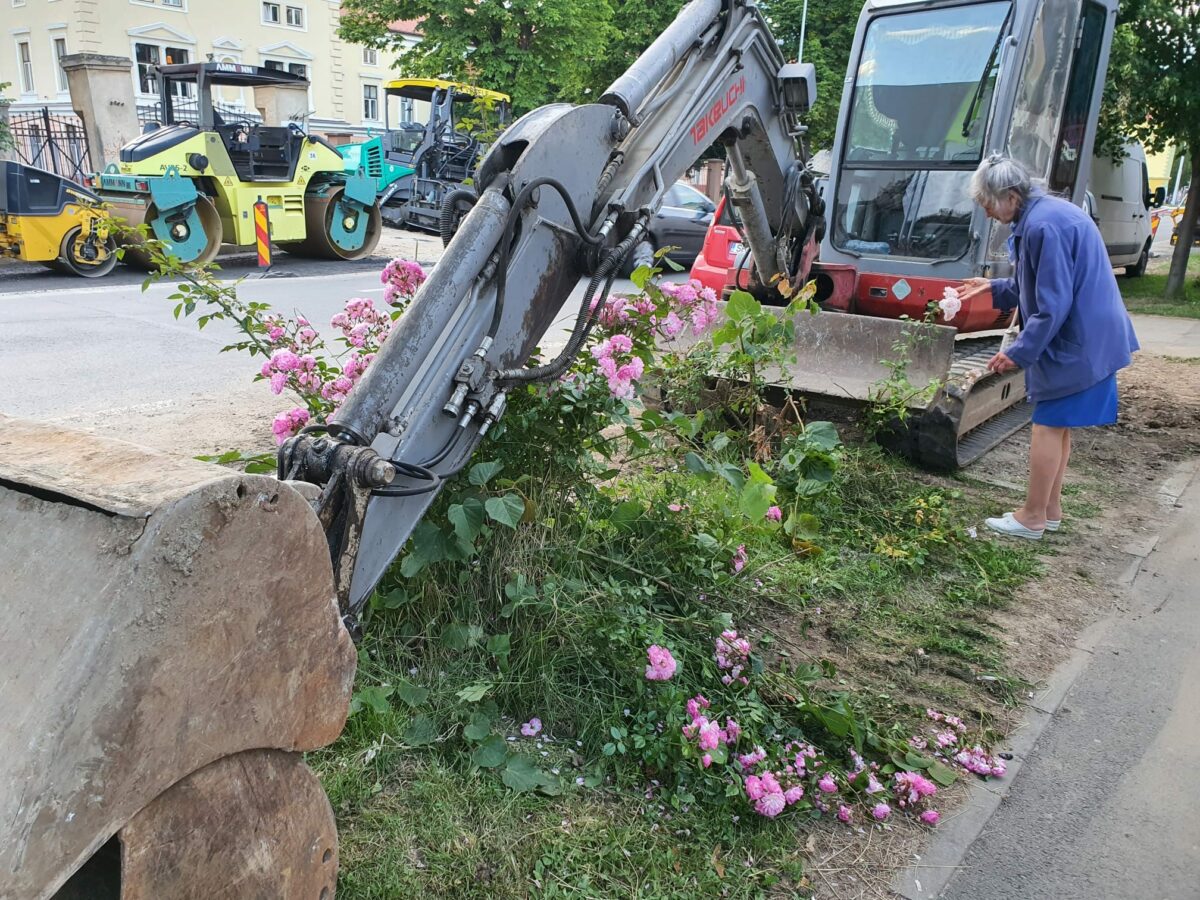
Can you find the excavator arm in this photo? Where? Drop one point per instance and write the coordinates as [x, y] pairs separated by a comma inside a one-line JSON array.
[[177, 634], [564, 194]]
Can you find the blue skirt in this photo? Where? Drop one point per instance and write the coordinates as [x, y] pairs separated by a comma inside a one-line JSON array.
[[1096, 405]]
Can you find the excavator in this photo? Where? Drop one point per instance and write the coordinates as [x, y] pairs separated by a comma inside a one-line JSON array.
[[930, 89], [178, 634]]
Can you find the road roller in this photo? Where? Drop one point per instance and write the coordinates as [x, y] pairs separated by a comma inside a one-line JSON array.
[[194, 178], [49, 219]]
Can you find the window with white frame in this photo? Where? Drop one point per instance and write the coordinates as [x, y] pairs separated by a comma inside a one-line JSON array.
[[371, 102], [295, 16], [151, 55], [280, 66], [60, 50], [370, 56], [271, 13], [25, 62], [176, 4]]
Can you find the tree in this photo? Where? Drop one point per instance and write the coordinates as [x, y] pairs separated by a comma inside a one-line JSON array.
[[636, 23], [828, 39], [1153, 93], [537, 51]]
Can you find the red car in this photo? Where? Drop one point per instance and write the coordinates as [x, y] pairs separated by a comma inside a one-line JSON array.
[[719, 252]]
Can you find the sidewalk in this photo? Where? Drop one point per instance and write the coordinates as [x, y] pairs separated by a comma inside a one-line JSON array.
[[1168, 336], [1103, 805]]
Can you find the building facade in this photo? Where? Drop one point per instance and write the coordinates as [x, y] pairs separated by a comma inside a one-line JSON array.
[[300, 36]]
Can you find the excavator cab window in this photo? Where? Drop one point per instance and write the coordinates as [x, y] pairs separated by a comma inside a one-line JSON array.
[[922, 97]]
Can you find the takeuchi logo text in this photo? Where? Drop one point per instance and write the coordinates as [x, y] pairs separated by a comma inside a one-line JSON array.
[[709, 120]]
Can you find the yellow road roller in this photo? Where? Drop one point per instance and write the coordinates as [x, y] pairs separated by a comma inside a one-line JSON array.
[[49, 219], [195, 178]]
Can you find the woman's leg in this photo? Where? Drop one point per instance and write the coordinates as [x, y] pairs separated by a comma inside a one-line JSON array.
[[1054, 506], [1046, 460]]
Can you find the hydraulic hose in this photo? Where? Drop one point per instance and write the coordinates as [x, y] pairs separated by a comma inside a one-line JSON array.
[[450, 207], [510, 228], [589, 315]]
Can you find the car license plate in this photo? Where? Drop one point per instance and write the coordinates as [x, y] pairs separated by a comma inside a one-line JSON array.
[[735, 250]]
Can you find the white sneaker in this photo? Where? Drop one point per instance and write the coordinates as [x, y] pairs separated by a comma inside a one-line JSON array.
[[1008, 525]]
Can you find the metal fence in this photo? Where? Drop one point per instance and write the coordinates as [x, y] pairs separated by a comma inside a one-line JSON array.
[[53, 141], [185, 110]]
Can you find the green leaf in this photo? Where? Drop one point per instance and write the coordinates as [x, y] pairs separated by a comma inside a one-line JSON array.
[[412, 694], [467, 518], [521, 774], [943, 775], [917, 761], [626, 513], [456, 636], [420, 732], [482, 473], [741, 306], [640, 276], [393, 599], [756, 498], [506, 510], [757, 474], [478, 728], [719, 442], [374, 697], [823, 435], [696, 464], [491, 753], [499, 644], [473, 693], [732, 474]]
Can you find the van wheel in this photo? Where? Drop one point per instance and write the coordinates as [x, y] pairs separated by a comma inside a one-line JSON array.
[[1138, 269]]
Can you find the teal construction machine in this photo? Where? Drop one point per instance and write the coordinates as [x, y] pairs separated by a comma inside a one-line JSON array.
[[435, 133]]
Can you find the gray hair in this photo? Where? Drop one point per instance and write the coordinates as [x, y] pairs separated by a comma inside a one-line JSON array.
[[997, 176]]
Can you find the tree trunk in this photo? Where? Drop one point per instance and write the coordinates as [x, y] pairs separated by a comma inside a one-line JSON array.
[[1185, 232]]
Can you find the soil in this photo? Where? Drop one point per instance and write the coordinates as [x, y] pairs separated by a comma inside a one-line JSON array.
[[1115, 505]]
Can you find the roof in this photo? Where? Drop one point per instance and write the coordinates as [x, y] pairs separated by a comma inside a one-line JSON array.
[[237, 74], [406, 26], [423, 88]]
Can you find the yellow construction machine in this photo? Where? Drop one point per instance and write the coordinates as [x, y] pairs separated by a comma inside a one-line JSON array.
[[49, 219], [195, 179]]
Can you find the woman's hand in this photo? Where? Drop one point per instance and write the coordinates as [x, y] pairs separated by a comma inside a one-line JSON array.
[[972, 286], [1000, 363]]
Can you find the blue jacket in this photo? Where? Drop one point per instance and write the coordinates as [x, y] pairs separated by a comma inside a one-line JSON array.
[[1075, 331]]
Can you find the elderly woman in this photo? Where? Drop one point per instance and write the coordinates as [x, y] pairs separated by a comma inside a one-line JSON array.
[[1075, 333]]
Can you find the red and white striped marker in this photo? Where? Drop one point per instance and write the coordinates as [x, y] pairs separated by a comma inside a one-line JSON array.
[[262, 234]]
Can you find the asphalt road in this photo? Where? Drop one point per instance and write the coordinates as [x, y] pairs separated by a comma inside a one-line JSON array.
[[1105, 808], [108, 356]]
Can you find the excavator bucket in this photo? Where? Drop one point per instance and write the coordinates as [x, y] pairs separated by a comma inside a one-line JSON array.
[[170, 645], [845, 358]]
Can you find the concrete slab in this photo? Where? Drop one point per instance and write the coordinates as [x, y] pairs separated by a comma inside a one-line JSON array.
[[1168, 335]]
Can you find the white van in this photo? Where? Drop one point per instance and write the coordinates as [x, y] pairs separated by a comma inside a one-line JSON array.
[[1120, 200]]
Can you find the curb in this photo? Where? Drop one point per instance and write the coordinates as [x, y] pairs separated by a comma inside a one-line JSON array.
[[926, 878]]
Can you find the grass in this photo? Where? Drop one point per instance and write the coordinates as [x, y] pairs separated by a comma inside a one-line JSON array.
[[1145, 295], [892, 588], [428, 831]]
